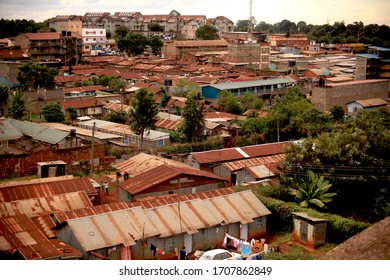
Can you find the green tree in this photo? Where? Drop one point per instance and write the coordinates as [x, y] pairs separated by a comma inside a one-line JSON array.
[[314, 192], [250, 101], [119, 116], [121, 32], [253, 126], [193, 122], [3, 99], [155, 44], [133, 43], [52, 112], [105, 80], [72, 113], [18, 105], [337, 113], [34, 75], [165, 99], [143, 112], [153, 26], [117, 85], [207, 32]]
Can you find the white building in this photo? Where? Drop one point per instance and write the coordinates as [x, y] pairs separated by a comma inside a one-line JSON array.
[[95, 40]]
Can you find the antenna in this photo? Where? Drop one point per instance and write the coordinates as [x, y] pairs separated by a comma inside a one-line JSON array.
[[250, 17]]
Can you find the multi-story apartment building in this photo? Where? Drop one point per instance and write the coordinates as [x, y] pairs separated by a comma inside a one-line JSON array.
[[62, 46], [94, 40], [72, 23], [103, 20], [223, 24]]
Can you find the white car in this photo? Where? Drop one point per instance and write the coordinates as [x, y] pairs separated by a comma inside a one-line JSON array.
[[219, 254]]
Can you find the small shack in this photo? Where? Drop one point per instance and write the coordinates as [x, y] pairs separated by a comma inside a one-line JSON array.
[[51, 168], [309, 231]]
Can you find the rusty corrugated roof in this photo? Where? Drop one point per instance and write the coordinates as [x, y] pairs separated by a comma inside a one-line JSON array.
[[231, 154], [45, 205], [267, 160], [35, 181], [23, 235], [142, 163], [46, 189], [160, 174]]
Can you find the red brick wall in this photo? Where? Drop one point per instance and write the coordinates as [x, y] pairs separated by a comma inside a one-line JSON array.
[[23, 165]]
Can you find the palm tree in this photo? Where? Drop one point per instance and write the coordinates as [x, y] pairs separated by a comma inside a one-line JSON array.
[[314, 192]]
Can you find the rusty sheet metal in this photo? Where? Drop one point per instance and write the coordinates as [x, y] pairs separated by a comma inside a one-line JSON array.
[[160, 174], [95, 210], [187, 216], [67, 251], [260, 172], [111, 229], [45, 205], [47, 189], [234, 154], [5, 246], [167, 124], [35, 181], [240, 164], [142, 163], [45, 224], [23, 235]]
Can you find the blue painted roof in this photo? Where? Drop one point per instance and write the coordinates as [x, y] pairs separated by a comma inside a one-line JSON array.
[[5, 82], [367, 55], [380, 48], [235, 85]]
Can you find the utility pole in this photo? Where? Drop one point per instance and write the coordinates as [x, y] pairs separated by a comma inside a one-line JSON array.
[[92, 146]]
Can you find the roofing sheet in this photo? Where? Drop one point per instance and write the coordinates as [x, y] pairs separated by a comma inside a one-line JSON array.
[[46, 189], [111, 229], [161, 174], [24, 236], [8, 130], [142, 163], [256, 83], [45, 205], [260, 172], [231, 154], [35, 181], [267, 160], [372, 102]]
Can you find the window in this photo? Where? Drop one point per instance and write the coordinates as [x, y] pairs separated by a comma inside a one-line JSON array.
[[160, 142]]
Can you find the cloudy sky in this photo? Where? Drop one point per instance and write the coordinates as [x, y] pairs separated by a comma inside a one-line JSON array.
[[310, 11]]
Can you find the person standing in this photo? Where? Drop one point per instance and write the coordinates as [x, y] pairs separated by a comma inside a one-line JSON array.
[[183, 253], [106, 187]]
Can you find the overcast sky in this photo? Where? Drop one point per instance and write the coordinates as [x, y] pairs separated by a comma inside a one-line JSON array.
[[310, 11]]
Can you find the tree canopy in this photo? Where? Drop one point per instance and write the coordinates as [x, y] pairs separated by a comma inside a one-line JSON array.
[[34, 75], [193, 122], [52, 112], [207, 32], [18, 105], [143, 114]]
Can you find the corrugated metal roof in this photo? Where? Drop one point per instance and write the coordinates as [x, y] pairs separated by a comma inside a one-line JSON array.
[[45, 205], [161, 174], [144, 162], [111, 229], [8, 131], [260, 172], [233, 154], [35, 181], [83, 132], [372, 102], [40, 132], [267, 160], [167, 124], [24, 236], [81, 103], [256, 83], [46, 189]]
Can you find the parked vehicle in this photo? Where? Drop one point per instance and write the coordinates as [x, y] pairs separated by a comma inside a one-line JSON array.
[[219, 254]]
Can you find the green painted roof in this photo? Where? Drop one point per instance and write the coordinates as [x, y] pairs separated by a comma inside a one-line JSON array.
[[8, 131]]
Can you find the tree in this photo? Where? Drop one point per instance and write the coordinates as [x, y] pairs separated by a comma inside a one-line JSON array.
[[34, 75], [228, 102], [18, 105], [155, 44], [52, 112], [165, 99], [314, 191], [117, 85], [72, 113], [133, 43], [207, 32], [153, 26], [143, 112], [119, 116], [121, 32], [250, 101], [3, 99], [337, 113], [193, 123]]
